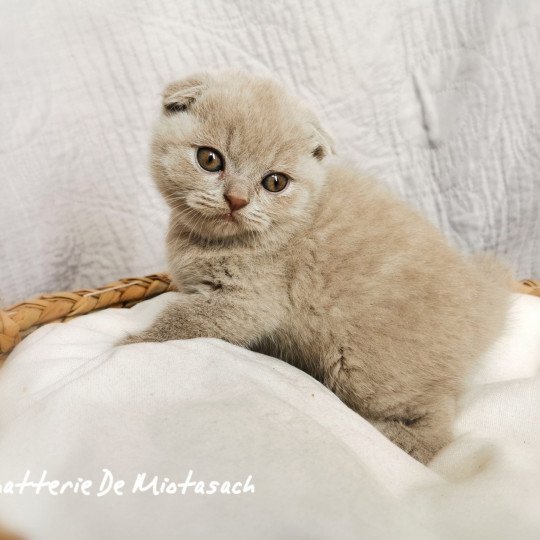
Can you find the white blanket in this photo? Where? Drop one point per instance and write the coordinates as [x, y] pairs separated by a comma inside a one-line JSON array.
[[305, 465], [439, 98]]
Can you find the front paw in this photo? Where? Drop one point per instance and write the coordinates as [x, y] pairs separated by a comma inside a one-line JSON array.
[[142, 337]]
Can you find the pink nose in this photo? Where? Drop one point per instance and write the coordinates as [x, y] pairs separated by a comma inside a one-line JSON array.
[[235, 203]]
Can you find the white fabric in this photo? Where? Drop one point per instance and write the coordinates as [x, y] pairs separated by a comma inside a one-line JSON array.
[[438, 98], [73, 405]]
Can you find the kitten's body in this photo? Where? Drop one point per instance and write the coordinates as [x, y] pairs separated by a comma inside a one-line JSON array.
[[354, 287]]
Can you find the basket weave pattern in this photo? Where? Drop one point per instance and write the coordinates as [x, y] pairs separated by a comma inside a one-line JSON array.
[[19, 320]]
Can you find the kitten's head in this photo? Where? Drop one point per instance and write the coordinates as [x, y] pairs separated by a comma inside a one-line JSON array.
[[235, 156]]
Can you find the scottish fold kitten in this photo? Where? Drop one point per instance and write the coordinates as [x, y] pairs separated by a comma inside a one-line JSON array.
[[279, 246]]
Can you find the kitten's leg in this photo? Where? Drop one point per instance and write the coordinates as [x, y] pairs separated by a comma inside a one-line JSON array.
[[420, 426], [237, 318], [420, 436]]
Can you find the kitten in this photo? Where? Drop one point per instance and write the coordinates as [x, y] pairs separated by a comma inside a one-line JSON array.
[[278, 247]]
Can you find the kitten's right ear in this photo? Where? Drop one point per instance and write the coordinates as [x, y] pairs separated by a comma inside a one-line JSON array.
[[180, 95]]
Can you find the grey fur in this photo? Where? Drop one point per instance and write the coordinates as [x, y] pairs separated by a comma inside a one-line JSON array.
[[334, 274]]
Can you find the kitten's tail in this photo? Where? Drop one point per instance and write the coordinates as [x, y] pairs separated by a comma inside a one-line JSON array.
[[493, 272]]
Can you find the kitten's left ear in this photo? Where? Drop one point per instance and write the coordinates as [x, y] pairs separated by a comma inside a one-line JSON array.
[[324, 142], [178, 96]]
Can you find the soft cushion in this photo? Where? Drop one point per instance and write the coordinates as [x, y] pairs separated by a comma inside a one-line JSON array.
[[73, 404]]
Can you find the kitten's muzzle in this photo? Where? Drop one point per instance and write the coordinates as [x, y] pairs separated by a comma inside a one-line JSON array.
[[235, 202]]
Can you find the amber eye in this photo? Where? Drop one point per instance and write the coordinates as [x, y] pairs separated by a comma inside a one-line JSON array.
[[210, 159], [275, 182]]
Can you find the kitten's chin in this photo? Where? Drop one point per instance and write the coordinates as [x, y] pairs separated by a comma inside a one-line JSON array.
[[220, 226], [226, 225]]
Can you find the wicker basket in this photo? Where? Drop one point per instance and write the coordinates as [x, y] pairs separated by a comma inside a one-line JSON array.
[[19, 320]]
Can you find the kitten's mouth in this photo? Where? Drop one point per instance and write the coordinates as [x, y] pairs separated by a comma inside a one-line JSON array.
[[229, 217]]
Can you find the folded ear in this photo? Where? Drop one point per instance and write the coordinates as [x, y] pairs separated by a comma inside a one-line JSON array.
[[325, 142], [178, 96]]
